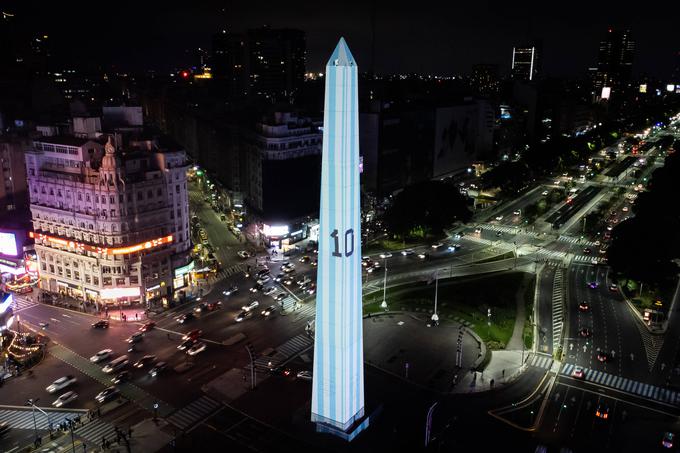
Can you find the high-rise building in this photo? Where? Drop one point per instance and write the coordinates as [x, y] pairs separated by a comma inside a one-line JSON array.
[[263, 62], [525, 62], [13, 193], [614, 59], [109, 227], [338, 377], [281, 144], [484, 79]]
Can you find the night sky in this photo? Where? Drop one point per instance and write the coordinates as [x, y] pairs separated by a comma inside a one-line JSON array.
[[428, 37]]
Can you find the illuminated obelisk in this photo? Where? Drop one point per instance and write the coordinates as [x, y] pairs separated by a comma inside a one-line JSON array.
[[338, 378]]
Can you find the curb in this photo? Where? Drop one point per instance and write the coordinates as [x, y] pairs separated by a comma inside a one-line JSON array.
[[638, 316]]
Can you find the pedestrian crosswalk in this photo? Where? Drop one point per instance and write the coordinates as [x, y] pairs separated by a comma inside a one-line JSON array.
[[551, 254], [575, 240], [22, 302], [95, 431], [229, 271], [620, 383], [557, 307], [23, 418], [287, 350], [195, 412], [588, 259], [540, 361]]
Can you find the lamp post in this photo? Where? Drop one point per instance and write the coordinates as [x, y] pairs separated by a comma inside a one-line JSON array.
[[435, 316], [31, 402], [73, 441], [252, 366], [384, 301]]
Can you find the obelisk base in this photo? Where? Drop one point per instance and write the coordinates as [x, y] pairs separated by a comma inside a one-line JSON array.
[[352, 428]]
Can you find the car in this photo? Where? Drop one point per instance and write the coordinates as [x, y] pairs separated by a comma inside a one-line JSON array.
[[587, 250], [584, 332], [499, 233], [385, 255], [264, 279], [268, 291], [667, 440], [304, 259], [65, 399], [231, 290], [262, 272], [61, 383], [289, 280], [135, 337], [116, 365], [290, 267], [544, 193], [304, 375], [517, 212], [437, 245], [269, 310], [186, 344], [197, 348], [304, 281], [201, 307], [121, 377], [214, 305], [192, 335], [101, 324], [144, 361], [613, 287], [281, 370], [407, 252], [279, 277], [366, 261], [101, 355], [243, 254], [602, 412], [254, 304], [4, 428], [186, 317], [107, 394], [311, 289], [243, 315], [157, 369], [577, 373], [478, 230], [423, 255], [279, 297], [597, 243], [499, 218], [147, 326], [376, 265], [603, 356], [584, 306], [625, 209], [315, 263], [593, 285]]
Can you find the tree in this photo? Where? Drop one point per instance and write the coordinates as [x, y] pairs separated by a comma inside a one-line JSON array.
[[430, 206]]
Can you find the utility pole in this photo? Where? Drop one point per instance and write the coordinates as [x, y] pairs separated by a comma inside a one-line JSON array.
[[435, 316], [384, 301], [252, 366], [31, 402]]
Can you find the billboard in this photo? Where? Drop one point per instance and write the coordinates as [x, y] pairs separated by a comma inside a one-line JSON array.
[[115, 293], [643, 88], [8, 244], [606, 91]]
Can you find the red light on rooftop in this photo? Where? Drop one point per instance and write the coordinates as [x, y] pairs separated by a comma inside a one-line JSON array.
[[184, 74]]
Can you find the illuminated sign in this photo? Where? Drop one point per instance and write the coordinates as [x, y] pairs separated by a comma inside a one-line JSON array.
[[115, 293], [670, 87], [276, 230], [8, 244], [8, 263], [606, 91], [80, 247], [643, 88], [5, 304], [184, 269]]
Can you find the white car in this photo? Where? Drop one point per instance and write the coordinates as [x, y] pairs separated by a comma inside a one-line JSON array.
[[437, 245], [407, 252], [264, 279], [269, 291], [230, 291], [101, 355], [499, 218], [243, 254], [385, 255], [268, 311], [195, 349], [65, 399], [254, 304], [60, 383], [305, 375], [544, 193], [518, 212]]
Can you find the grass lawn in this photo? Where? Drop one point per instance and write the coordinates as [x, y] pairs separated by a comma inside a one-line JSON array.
[[467, 299]]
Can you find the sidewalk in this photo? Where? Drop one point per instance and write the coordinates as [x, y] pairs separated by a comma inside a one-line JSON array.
[[503, 368]]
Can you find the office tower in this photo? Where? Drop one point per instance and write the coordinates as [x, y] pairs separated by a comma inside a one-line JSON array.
[[525, 62], [614, 60]]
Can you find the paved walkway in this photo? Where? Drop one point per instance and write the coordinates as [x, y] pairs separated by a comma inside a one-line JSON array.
[[516, 340]]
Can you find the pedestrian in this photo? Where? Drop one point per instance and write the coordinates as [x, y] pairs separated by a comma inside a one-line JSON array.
[[136, 316], [503, 373]]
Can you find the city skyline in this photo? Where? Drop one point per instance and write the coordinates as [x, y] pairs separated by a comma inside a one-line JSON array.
[[447, 43]]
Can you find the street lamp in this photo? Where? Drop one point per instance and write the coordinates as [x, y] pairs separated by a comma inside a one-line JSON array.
[[383, 305], [31, 402], [435, 316]]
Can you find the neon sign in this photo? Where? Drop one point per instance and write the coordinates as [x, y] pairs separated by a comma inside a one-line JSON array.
[[80, 247]]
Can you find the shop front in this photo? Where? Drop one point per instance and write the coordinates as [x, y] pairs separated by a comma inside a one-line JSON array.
[[283, 237], [70, 290], [157, 295], [182, 280], [119, 295]]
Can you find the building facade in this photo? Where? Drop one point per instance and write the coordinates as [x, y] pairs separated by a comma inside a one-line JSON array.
[[109, 227], [525, 62], [13, 186], [614, 60]]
